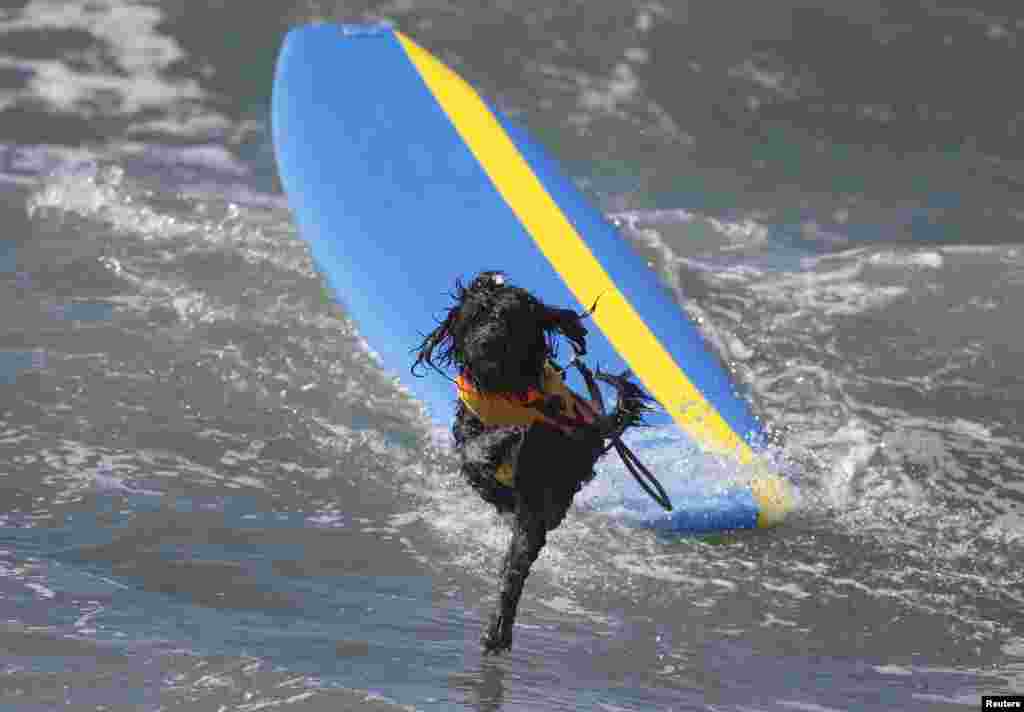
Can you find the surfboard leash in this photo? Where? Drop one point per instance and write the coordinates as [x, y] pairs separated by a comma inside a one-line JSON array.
[[647, 481]]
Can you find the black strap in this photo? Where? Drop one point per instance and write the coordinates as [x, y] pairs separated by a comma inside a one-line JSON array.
[[629, 459], [639, 472]]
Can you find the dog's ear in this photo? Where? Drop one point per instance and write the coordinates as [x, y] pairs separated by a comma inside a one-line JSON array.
[[440, 339]]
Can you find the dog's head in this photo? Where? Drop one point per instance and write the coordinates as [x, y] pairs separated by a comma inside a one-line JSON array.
[[499, 335]]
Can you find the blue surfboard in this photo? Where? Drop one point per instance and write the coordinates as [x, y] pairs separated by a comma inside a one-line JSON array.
[[403, 178]]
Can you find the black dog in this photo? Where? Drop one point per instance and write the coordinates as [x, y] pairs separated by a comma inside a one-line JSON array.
[[527, 444]]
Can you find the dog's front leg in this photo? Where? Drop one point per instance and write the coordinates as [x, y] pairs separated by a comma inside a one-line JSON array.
[[528, 537]]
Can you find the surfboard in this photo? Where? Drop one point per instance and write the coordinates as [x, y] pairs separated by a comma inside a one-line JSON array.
[[403, 178]]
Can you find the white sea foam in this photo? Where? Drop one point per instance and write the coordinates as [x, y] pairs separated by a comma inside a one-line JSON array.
[[131, 75], [921, 258]]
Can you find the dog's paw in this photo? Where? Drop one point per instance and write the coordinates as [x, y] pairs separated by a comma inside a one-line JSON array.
[[632, 403], [498, 637]]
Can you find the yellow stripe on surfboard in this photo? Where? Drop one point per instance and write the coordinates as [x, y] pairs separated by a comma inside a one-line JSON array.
[[554, 234], [774, 497]]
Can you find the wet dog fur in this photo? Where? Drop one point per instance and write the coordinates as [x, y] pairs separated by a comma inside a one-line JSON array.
[[499, 337]]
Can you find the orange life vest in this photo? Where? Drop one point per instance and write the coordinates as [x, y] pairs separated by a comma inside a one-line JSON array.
[[503, 409]]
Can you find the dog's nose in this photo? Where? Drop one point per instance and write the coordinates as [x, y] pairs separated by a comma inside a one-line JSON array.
[[495, 279]]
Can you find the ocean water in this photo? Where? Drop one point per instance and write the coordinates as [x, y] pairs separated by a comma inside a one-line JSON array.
[[212, 498]]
